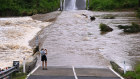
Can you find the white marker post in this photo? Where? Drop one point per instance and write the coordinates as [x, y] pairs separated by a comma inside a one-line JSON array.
[[124, 67], [24, 64], [37, 41]]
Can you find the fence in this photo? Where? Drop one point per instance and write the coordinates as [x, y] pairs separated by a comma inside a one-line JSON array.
[[6, 74]]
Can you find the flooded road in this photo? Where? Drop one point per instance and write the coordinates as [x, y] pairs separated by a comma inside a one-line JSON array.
[[73, 40]]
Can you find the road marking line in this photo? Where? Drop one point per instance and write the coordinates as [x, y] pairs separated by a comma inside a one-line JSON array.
[[74, 72], [32, 71], [116, 73]]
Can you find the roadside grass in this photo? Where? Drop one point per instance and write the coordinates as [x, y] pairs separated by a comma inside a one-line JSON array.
[[133, 74], [19, 76], [116, 67]]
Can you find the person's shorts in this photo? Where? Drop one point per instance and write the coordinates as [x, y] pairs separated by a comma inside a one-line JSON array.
[[43, 58]]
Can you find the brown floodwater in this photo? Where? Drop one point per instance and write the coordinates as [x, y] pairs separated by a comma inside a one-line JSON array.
[[73, 40]]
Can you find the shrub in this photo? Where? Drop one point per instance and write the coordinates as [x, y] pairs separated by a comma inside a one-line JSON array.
[[108, 16], [112, 4], [105, 28], [19, 75], [130, 75], [134, 28]]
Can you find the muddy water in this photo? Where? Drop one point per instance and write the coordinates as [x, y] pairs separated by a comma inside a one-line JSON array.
[[73, 40], [15, 34]]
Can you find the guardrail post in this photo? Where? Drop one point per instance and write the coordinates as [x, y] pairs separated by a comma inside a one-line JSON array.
[[24, 64]]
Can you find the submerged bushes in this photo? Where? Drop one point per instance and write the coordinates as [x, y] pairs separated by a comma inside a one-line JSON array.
[[108, 16], [134, 28], [105, 28]]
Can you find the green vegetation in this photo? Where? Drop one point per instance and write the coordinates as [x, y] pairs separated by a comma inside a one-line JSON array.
[[108, 16], [133, 74], [27, 7], [116, 67], [138, 13], [134, 28], [105, 28], [129, 74], [19, 76], [112, 4]]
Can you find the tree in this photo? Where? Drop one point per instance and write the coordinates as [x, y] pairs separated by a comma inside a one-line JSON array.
[[139, 3], [37, 3]]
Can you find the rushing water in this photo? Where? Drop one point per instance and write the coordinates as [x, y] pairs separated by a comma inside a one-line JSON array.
[[15, 34], [73, 40], [74, 4]]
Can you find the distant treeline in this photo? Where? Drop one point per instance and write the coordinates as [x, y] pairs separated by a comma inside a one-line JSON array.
[[113, 4], [30, 7], [27, 7]]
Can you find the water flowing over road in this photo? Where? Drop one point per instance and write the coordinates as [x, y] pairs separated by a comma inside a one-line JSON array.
[[74, 4], [73, 40]]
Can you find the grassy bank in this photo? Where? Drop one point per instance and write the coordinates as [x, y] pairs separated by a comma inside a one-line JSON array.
[[112, 4], [19, 76], [27, 7], [129, 74], [133, 74]]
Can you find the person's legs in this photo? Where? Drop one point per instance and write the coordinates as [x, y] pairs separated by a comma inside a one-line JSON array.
[[43, 64]]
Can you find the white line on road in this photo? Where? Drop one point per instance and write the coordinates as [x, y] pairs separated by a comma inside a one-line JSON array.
[[32, 71], [115, 73], [74, 72]]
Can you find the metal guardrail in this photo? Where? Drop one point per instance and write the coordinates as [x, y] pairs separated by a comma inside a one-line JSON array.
[[8, 72]]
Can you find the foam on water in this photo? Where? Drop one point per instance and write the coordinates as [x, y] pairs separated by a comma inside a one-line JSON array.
[[15, 34]]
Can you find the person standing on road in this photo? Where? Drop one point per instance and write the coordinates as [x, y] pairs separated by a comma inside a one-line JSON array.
[[43, 58], [46, 57]]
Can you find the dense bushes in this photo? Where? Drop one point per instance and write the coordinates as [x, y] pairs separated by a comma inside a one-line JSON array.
[[27, 7], [138, 13], [112, 4]]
